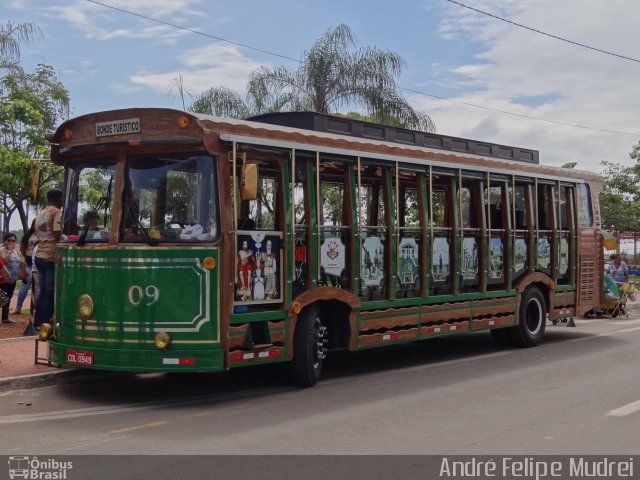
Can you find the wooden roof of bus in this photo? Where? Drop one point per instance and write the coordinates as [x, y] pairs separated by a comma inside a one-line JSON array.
[[275, 135], [245, 131]]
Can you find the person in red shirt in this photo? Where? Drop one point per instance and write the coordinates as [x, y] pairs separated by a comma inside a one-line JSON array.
[[5, 276]]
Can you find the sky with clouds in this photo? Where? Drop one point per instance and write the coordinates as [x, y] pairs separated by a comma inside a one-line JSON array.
[[109, 55]]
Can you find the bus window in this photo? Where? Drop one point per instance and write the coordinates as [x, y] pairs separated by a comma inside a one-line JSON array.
[[585, 212], [301, 205], [170, 198], [409, 250], [497, 218], [522, 221], [441, 207], [89, 200], [331, 202], [374, 218], [335, 222], [566, 226], [262, 210], [471, 206], [545, 221]]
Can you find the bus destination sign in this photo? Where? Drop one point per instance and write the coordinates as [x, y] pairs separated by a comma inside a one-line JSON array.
[[118, 127]]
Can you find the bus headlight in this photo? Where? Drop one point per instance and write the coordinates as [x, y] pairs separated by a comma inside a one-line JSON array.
[[45, 332], [162, 340], [85, 307]]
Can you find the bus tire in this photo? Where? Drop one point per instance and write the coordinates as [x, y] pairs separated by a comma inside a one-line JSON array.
[[532, 319], [309, 347]]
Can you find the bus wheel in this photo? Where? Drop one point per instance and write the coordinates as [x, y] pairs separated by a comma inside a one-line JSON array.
[[533, 319], [309, 347]]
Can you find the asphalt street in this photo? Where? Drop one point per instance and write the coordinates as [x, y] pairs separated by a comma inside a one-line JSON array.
[[577, 393]]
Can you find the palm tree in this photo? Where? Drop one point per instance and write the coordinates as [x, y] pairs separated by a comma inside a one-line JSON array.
[[223, 102], [10, 38], [178, 89], [331, 76]]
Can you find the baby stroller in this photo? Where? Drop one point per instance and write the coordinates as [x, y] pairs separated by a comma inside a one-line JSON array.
[[616, 296]]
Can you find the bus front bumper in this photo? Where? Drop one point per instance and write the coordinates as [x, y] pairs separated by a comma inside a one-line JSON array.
[[135, 359]]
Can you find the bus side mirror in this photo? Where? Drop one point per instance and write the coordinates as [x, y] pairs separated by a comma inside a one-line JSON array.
[[249, 186]]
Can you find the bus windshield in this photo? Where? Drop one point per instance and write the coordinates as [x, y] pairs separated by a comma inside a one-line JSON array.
[[88, 203], [170, 198]]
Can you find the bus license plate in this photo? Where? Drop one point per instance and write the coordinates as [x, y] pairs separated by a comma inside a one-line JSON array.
[[77, 357]]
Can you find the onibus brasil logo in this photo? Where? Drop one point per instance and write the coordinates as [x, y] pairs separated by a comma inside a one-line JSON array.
[[33, 468]]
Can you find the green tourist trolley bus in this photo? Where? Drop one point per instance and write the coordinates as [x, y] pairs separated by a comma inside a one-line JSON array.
[[197, 243]]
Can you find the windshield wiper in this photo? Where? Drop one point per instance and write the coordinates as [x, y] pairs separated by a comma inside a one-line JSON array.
[[134, 218], [150, 240], [94, 214]]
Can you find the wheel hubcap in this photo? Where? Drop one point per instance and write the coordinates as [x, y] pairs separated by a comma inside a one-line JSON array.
[[320, 347]]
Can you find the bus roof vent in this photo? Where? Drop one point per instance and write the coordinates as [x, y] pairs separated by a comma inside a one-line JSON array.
[[320, 122]]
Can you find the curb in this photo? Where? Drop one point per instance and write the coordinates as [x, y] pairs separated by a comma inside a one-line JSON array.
[[29, 381], [56, 377]]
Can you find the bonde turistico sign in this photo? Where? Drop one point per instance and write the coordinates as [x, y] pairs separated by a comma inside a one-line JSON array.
[[118, 127]]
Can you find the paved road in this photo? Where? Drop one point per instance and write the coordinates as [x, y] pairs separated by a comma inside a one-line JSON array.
[[578, 393]]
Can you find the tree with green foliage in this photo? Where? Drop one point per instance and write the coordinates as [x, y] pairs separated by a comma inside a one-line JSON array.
[[635, 153], [31, 104], [331, 75], [620, 199]]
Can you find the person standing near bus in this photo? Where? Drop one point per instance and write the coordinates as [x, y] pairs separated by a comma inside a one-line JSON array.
[[48, 231], [5, 276], [618, 269], [11, 259], [26, 248]]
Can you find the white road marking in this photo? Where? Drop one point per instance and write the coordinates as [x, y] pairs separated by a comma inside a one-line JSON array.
[[138, 427], [625, 410], [79, 412]]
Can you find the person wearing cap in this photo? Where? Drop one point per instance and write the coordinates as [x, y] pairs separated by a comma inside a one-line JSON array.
[[618, 269], [48, 231]]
